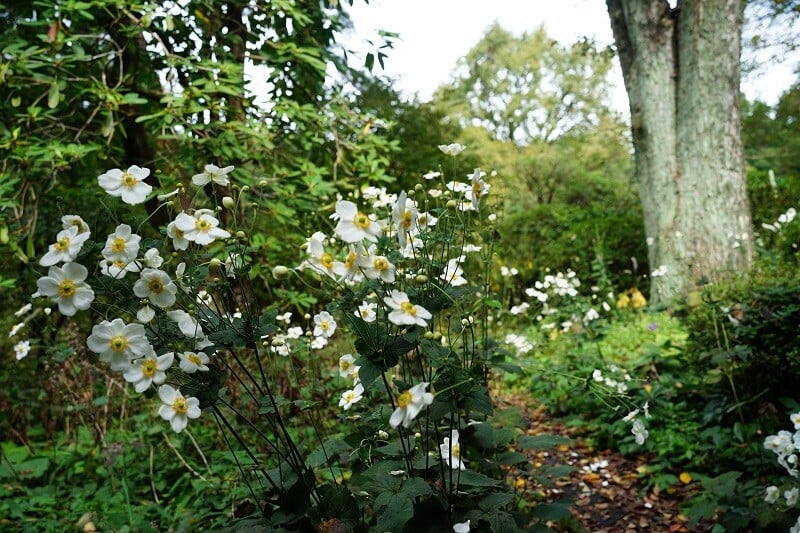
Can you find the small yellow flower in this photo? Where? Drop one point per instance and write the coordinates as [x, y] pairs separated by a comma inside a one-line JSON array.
[[685, 478], [637, 299], [623, 301]]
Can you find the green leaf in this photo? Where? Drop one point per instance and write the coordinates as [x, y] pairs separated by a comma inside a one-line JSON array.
[[53, 95], [399, 511], [476, 479], [553, 511], [541, 441]]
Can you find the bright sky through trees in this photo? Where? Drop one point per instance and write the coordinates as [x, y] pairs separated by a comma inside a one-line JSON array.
[[434, 34]]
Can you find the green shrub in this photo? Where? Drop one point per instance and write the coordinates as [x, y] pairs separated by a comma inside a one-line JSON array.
[[571, 236]]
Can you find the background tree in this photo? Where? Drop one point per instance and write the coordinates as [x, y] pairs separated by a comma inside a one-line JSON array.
[[681, 69]]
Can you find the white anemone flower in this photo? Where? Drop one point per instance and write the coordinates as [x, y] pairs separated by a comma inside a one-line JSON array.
[[452, 149], [404, 218], [192, 362], [128, 185], [179, 241], [453, 273], [151, 369], [201, 228], [350, 269], [122, 245], [117, 269], [353, 225], [351, 396], [450, 451], [318, 258], [66, 286], [118, 343], [347, 365], [213, 173], [177, 409], [324, 325], [461, 527], [478, 188], [409, 404], [22, 349], [156, 286], [405, 313], [67, 221], [152, 258], [186, 323], [378, 266], [367, 311], [16, 328], [66, 248]]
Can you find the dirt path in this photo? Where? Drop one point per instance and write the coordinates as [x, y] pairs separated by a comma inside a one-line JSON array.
[[606, 487]]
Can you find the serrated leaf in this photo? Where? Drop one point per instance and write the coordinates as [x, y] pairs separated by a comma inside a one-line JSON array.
[[476, 479]]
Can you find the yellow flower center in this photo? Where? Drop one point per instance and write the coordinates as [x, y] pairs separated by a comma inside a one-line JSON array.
[[455, 450], [350, 260], [129, 180], [62, 244], [66, 288], [361, 220], [407, 218], [118, 343], [118, 245], [404, 399], [202, 225], [476, 189], [380, 264], [194, 358], [178, 234], [326, 260], [408, 308], [149, 368], [180, 406], [324, 325], [345, 365], [155, 286]]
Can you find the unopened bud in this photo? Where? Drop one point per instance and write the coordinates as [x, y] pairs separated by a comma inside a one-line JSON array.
[[451, 204], [280, 272], [418, 187], [421, 278], [214, 263], [240, 234], [262, 183], [227, 202], [411, 194], [245, 188]]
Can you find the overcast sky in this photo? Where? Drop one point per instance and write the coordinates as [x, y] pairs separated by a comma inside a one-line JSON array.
[[435, 33]]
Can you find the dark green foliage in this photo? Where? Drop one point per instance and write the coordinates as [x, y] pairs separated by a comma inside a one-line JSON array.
[[597, 220], [748, 328]]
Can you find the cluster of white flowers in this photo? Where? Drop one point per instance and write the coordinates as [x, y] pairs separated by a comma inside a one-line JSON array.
[[125, 346], [783, 219], [618, 381], [786, 446], [638, 428], [520, 343]]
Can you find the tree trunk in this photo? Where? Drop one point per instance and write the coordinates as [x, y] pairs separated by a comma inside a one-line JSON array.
[[681, 72]]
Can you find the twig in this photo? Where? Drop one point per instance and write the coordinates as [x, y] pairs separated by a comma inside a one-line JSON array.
[[182, 460], [199, 450], [152, 480]]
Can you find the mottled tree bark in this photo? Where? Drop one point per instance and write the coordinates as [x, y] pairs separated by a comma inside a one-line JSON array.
[[681, 72]]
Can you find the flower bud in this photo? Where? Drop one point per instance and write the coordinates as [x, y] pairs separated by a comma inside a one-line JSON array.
[[280, 272], [418, 187], [245, 188], [214, 263], [262, 183], [421, 278], [240, 234], [451, 204], [227, 202]]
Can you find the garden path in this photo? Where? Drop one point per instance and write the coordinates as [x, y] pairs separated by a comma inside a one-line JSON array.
[[609, 492]]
